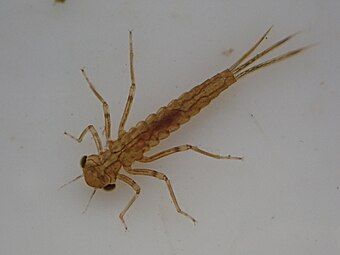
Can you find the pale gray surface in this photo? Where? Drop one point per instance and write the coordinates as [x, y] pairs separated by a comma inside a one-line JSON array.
[[283, 199]]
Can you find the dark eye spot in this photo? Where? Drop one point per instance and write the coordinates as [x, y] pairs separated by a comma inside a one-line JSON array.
[[83, 161], [110, 187]]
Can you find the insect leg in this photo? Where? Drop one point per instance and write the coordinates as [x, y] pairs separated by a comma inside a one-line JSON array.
[[93, 132], [136, 188], [185, 148], [163, 177], [131, 90], [105, 107]]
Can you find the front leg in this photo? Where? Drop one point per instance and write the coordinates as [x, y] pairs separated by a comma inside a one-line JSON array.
[[136, 188], [163, 177], [106, 110], [132, 90], [94, 134]]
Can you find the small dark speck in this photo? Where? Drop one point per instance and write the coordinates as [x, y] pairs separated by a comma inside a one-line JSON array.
[[301, 141], [273, 217], [228, 52], [252, 115], [71, 114], [21, 147], [338, 188], [322, 83]]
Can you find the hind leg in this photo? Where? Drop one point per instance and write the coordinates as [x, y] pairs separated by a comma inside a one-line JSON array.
[[185, 148]]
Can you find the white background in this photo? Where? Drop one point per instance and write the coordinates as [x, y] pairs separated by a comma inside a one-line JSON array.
[[284, 198]]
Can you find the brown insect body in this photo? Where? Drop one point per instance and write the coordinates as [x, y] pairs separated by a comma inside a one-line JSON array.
[[101, 170], [132, 145], [167, 119]]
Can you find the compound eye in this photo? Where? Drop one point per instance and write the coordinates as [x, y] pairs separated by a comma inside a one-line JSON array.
[[83, 161], [110, 187]]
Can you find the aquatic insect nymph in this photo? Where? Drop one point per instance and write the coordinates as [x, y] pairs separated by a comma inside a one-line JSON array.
[[103, 170]]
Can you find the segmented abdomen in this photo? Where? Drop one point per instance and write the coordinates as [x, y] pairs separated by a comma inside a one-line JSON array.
[[158, 126]]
